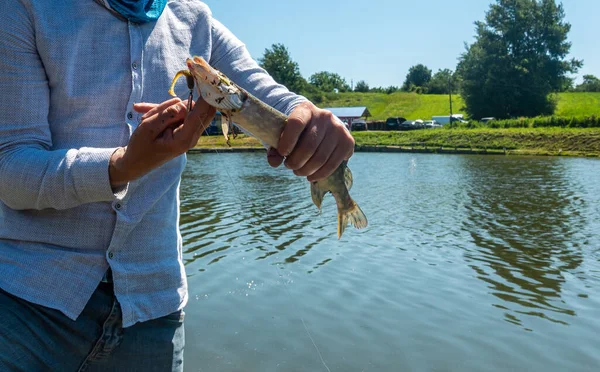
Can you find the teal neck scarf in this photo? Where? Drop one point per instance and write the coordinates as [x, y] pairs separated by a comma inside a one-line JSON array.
[[137, 11]]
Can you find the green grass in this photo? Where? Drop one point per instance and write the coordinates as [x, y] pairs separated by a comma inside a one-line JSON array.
[[408, 105], [578, 104], [423, 106], [546, 141], [538, 141]]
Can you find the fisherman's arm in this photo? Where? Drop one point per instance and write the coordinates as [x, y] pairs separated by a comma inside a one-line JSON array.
[[314, 141], [32, 175]]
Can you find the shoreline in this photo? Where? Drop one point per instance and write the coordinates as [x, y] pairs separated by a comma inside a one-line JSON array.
[[414, 150], [552, 141]]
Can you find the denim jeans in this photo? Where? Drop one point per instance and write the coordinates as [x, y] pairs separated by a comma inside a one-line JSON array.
[[36, 338]]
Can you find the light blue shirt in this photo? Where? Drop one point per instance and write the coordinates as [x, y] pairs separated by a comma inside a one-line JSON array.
[[70, 72]]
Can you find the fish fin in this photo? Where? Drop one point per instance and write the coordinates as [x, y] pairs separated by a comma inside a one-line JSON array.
[[317, 195], [179, 74], [355, 216], [232, 130], [225, 127], [348, 178], [342, 222]]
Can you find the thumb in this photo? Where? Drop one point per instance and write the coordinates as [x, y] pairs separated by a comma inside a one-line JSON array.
[[201, 114], [274, 158], [197, 119]]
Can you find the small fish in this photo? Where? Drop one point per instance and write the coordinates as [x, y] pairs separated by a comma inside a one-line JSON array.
[[265, 123]]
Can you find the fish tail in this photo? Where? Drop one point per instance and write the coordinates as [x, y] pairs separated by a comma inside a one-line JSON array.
[[354, 215]]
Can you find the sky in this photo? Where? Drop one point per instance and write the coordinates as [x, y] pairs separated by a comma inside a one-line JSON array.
[[379, 40]]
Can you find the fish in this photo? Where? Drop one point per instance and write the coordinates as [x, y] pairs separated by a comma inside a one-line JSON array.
[[266, 124]]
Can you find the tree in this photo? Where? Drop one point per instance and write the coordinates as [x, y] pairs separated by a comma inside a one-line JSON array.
[[517, 60], [418, 76], [387, 90], [440, 82], [361, 86], [282, 68], [328, 81], [590, 84]]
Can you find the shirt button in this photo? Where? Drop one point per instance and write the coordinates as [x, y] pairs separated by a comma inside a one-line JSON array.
[[118, 206], [111, 255], [134, 66], [129, 115]]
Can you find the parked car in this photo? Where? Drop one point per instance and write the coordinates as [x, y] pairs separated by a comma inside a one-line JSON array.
[[485, 120], [432, 124], [359, 124], [408, 125], [456, 118], [394, 123]]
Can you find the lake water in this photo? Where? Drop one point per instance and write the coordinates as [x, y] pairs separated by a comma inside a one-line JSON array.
[[469, 263]]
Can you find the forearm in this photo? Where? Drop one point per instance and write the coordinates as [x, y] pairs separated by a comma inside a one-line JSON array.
[[230, 56], [35, 178]]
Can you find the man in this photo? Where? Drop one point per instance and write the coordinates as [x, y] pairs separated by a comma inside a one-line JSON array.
[[91, 271]]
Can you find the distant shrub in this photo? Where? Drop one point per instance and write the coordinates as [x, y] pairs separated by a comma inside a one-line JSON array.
[[331, 96], [546, 121]]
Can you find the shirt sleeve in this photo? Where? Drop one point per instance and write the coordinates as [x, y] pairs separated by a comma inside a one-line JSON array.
[[230, 56], [32, 175]]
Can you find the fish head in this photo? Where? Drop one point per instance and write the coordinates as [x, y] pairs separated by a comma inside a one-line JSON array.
[[214, 87]]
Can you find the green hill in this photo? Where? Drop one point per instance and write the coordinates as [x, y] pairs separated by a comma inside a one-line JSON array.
[[423, 106]]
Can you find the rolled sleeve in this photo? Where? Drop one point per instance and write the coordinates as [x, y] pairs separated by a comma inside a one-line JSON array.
[[91, 176]]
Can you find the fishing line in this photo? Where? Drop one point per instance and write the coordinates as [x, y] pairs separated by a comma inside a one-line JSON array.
[[285, 285]]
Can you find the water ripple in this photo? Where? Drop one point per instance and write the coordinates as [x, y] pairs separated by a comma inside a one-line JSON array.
[[467, 262]]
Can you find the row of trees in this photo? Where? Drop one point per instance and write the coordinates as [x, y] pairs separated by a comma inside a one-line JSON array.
[[421, 80], [590, 84], [518, 59], [278, 62]]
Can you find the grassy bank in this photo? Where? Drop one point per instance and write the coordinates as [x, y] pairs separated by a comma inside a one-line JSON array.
[[423, 106], [538, 141]]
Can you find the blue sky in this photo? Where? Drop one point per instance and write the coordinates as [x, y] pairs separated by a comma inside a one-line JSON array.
[[378, 40]]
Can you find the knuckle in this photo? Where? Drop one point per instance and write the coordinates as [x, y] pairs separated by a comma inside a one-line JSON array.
[[351, 142], [299, 121], [291, 164], [173, 110], [327, 116], [320, 159]]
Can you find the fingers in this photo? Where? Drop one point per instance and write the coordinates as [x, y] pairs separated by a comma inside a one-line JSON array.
[[144, 107], [150, 109], [296, 124], [195, 122], [309, 141], [274, 158], [343, 151], [330, 165], [170, 116], [318, 159]]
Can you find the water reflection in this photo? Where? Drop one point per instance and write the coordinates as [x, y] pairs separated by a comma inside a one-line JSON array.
[[524, 219], [398, 295], [231, 203]]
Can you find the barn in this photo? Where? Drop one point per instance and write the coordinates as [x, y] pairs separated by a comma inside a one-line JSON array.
[[349, 114]]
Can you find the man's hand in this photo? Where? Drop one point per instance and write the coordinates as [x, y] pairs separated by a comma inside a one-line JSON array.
[[167, 130], [314, 143]]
